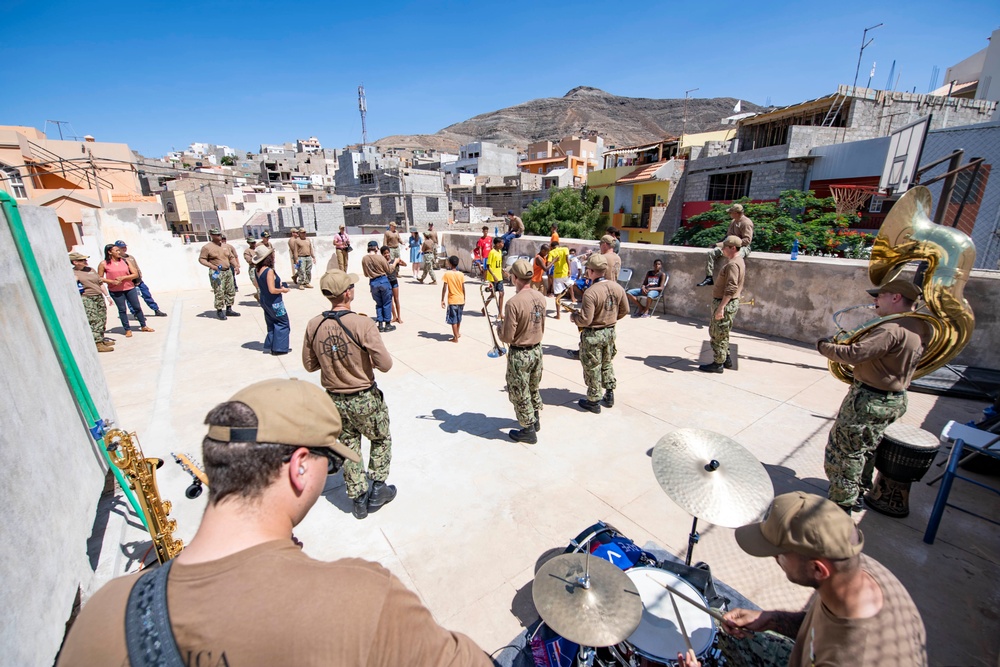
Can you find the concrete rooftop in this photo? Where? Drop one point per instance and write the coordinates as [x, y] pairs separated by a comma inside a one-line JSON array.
[[476, 511]]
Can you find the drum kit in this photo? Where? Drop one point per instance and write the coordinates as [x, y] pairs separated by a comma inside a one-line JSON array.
[[608, 594]]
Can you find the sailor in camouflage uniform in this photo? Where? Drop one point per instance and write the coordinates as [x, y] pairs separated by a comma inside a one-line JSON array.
[[522, 329], [345, 346], [725, 302], [603, 304], [883, 362]]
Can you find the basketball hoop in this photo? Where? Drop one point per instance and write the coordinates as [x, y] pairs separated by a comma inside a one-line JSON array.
[[850, 198]]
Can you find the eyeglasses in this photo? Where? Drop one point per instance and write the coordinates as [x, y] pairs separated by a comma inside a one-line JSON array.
[[334, 462]]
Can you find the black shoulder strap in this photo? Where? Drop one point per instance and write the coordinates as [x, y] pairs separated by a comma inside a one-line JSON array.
[[336, 315], [148, 635]]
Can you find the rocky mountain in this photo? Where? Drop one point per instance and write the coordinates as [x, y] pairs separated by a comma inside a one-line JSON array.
[[622, 121]]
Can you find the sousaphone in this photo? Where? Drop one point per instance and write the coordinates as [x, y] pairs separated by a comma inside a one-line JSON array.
[[909, 235]]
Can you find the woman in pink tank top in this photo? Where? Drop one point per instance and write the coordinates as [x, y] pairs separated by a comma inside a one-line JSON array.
[[120, 276]]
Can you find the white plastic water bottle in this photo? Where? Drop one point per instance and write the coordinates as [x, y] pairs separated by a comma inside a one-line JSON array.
[[795, 249]]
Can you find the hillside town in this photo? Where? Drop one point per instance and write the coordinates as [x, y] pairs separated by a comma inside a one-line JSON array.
[[294, 377]]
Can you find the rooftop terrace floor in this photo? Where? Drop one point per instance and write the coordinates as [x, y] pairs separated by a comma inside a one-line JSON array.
[[476, 511]]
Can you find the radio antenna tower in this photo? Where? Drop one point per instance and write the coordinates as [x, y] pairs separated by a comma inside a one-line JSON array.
[[363, 108]]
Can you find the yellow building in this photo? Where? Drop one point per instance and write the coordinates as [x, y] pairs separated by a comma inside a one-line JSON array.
[[634, 188], [70, 177]]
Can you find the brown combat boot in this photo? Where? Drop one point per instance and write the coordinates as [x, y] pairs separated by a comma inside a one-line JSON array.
[[104, 347]]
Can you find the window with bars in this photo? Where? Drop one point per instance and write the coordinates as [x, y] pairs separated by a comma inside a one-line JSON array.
[[732, 185]]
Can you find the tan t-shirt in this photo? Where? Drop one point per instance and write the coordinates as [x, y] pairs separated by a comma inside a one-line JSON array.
[[91, 282], [743, 227], [214, 255], [390, 239], [523, 319], [614, 265], [248, 256], [434, 237], [886, 357], [374, 265], [894, 637], [603, 304], [300, 248], [516, 225], [344, 367], [273, 605], [732, 275]]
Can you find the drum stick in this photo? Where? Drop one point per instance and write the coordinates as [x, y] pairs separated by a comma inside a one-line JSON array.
[[680, 621], [714, 613]]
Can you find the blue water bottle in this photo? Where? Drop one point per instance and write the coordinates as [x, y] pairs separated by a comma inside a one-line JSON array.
[[496, 231], [217, 273], [795, 249]]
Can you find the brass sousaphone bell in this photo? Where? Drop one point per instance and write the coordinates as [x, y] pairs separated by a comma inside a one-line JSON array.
[[909, 235]]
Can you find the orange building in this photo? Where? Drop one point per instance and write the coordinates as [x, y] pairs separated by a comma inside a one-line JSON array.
[[70, 176]]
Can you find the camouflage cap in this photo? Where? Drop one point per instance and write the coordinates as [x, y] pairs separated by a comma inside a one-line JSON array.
[[214, 231]]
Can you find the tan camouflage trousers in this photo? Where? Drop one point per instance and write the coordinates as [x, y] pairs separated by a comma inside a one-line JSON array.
[[365, 414], [97, 315], [597, 350], [253, 280], [849, 460], [718, 330], [524, 374]]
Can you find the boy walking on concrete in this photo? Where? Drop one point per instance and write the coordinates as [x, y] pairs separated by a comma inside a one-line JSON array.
[[454, 292]]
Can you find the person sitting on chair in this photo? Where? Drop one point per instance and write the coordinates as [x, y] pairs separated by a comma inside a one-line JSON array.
[[652, 285]]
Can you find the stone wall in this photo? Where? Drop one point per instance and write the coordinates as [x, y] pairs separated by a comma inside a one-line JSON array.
[[792, 299], [51, 473]]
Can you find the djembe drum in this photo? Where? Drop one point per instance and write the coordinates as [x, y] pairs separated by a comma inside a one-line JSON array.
[[904, 456]]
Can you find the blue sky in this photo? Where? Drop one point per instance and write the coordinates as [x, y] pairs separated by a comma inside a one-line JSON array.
[[161, 75]]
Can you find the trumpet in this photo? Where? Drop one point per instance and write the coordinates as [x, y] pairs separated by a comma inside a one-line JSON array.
[[491, 321]]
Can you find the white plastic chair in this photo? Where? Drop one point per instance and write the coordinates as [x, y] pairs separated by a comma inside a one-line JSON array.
[[624, 277]]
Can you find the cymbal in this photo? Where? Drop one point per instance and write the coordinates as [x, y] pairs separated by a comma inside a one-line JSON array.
[[712, 477], [602, 615]]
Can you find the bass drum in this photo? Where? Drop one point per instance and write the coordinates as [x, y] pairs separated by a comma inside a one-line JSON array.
[[607, 543]]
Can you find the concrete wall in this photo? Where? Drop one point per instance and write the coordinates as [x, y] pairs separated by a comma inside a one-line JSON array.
[[51, 475], [793, 299]]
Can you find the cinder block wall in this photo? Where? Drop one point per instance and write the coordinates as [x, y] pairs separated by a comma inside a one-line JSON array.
[[792, 299], [51, 474]]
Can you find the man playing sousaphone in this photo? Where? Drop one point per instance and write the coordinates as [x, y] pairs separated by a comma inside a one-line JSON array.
[[883, 364]]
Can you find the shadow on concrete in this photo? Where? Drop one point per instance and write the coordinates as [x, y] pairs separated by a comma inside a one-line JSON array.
[[556, 350], [441, 337], [100, 527], [473, 423], [335, 493], [254, 345], [249, 304], [140, 551], [211, 314], [785, 363], [666, 363], [558, 396]]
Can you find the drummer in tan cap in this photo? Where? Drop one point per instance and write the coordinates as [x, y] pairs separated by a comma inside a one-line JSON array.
[[860, 613], [603, 304], [883, 363], [522, 329]]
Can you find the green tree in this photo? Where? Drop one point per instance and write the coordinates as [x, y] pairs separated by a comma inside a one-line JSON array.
[[227, 161], [575, 212], [796, 215]]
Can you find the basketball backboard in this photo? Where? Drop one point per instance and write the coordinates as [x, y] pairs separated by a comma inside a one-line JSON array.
[[903, 158]]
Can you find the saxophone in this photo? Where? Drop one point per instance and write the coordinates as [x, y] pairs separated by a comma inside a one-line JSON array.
[[909, 235], [140, 473]]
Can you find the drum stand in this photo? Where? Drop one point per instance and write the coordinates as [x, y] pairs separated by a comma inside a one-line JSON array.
[[692, 540]]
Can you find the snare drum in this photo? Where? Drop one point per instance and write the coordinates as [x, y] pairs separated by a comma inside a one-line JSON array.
[[658, 639], [608, 543]]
